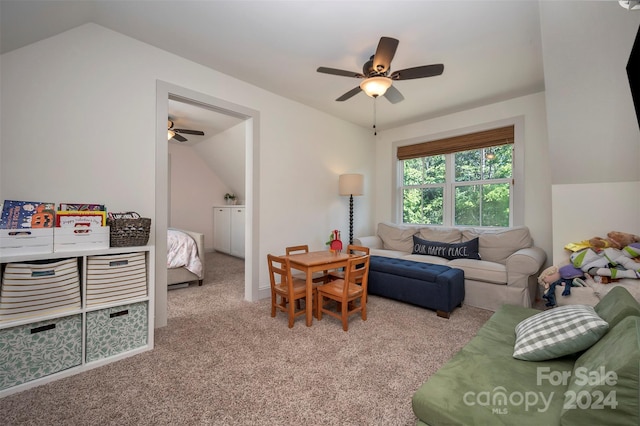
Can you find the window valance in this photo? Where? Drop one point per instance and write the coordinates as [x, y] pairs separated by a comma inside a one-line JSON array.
[[478, 140]]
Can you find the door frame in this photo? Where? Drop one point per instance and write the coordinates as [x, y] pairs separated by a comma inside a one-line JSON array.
[[251, 117]]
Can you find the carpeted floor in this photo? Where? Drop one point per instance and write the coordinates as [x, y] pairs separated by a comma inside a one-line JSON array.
[[224, 361]]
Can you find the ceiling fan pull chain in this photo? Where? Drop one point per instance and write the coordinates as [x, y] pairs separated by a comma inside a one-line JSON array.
[[375, 132]]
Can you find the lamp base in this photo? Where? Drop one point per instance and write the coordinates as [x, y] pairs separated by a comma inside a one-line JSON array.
[[351, 219]]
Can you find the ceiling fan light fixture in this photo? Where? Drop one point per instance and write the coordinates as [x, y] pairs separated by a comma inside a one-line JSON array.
[[630, 4], [375, 86], [170, 134]]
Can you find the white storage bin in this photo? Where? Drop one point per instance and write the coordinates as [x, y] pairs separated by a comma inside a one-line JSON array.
[[112, 278], [33, 289], [26, 241], [76, 239]]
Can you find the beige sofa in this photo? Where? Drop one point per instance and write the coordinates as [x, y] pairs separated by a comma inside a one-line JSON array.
[[506, 273]]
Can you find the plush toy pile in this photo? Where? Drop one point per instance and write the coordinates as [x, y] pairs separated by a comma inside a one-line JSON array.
[[605, 260]]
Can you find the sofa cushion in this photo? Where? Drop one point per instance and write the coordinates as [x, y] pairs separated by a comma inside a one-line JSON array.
[[397, 237], [603, 388], [496, 245], [441, 234], [480, 270], [474, 387], [466, 250], [617, 305], [557, 332]]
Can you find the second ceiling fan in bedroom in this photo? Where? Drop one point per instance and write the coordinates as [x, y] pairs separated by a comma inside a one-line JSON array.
[[377, 79], [173, 133]]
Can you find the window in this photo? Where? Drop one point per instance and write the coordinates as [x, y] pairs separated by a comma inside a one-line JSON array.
[[462, 181]]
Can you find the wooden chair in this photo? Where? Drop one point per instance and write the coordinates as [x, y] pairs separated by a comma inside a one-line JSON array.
[[321, 277], [288, 288], [351, 249], [346, 291]]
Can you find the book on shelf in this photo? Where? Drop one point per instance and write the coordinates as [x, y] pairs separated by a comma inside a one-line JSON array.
[[27, 214], [79, 207], [81, 218]]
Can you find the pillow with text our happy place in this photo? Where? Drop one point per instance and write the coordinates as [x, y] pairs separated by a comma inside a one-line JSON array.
[[450, 251]]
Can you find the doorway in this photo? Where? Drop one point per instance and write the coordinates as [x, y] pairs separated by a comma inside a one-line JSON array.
[[164, 92]]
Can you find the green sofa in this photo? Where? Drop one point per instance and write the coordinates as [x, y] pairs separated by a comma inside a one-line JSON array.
[[484, 385]]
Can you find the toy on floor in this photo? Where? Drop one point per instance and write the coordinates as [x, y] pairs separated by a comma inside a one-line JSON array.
[[610, 262], [552, 277], [334, 243], [615, 239]]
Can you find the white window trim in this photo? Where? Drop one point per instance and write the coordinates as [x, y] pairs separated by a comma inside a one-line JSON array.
[[517, 198]]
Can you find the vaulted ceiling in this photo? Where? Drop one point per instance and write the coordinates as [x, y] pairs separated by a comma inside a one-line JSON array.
[[491, 50]]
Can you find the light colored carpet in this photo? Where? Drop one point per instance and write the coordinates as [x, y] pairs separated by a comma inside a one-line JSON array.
[[224, 361]]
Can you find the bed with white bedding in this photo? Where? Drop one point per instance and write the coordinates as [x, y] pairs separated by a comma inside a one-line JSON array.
[[185, 256]]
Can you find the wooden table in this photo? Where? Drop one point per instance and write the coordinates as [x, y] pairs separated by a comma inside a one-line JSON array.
[[315, 261]]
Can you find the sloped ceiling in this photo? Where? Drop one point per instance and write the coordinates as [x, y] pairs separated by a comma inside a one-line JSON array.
[[491, 50]]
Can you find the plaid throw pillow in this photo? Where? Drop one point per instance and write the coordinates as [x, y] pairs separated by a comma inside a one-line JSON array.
[[558, 332]]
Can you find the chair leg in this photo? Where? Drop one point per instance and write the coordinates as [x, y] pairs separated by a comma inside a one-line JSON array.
[[345, 316], [363, 308], [290, 313], [319, 306], [314, 305], [273, 305]]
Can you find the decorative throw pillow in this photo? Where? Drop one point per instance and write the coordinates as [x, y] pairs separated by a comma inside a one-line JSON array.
[[558, 332], [466, 250]]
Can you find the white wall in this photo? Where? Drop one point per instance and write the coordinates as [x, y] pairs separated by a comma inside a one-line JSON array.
[[194, 190], [594, 139], [201, 175], [225, 155], [593, 130], [537, 190], [107, 82]]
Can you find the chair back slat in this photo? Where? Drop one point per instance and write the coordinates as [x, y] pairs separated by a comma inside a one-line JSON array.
[[357, 272], [296, 249], [279, 266]]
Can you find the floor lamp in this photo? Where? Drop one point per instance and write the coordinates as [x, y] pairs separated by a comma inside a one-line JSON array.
[[351, 184]]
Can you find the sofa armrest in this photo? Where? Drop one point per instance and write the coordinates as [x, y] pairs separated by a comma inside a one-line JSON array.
[[371, 241], [524, 263]]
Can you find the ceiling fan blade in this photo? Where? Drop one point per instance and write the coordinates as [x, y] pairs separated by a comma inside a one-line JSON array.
[[384, 54], [393, 95], [334, 71], [418, 72], [349, 94], [179, 138], [189, 132]]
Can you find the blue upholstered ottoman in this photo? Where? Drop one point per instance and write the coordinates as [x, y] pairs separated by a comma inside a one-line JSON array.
[[430, 286]]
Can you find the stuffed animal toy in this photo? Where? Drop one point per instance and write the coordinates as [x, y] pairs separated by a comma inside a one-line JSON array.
[[548, 276], [609, 262], [615, 239]]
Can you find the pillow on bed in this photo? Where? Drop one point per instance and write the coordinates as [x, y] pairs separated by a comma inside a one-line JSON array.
[[450, 251], [558, 332]]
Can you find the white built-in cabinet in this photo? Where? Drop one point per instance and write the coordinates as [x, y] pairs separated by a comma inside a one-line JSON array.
[[228, 229], [69, 312]]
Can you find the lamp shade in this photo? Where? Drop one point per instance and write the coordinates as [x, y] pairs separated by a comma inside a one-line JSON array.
[[351, 184], [375, 86]]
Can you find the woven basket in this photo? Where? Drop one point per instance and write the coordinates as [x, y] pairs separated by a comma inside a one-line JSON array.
[[129, 232]]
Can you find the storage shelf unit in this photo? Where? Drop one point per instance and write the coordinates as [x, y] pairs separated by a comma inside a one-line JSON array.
[[47, 346], [228, 229]]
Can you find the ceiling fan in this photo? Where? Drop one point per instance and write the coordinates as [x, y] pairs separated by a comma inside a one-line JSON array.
[[174, 133], [375, 72]]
